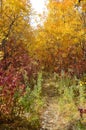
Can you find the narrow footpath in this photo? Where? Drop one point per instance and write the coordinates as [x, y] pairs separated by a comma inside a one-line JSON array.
[[50, 118]]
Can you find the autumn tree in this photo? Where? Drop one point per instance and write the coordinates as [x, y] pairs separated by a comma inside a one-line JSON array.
[[13, 12], [59, 41], [15, 38], [15, 24]]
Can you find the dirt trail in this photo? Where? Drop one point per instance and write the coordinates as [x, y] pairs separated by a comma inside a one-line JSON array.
[[50, 116]]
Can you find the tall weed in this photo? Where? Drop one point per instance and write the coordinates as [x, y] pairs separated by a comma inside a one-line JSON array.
[[32, 101], [71, 96]]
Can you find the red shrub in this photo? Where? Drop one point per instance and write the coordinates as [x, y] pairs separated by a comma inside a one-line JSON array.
[[14, 65]]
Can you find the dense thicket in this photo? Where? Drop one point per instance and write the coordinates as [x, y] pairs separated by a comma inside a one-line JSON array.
[[61, 42]]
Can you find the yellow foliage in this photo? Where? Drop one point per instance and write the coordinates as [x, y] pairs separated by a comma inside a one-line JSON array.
[[14, 20], [63, 28]]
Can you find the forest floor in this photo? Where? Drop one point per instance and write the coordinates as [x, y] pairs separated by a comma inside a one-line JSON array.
[[50, 115]]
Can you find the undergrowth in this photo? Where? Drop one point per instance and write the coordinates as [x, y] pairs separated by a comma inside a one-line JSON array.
[[71, 93]]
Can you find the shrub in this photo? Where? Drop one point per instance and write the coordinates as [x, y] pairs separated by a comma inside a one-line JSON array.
[[71, 96], [32, 101], [13, 66]]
